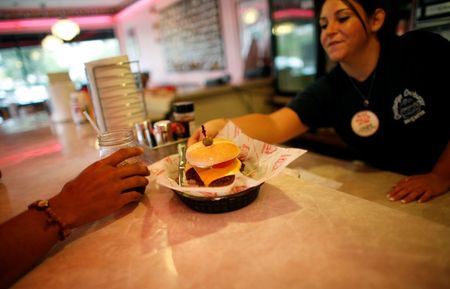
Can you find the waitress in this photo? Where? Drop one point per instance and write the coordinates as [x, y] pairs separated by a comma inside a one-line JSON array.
[[387, 98]]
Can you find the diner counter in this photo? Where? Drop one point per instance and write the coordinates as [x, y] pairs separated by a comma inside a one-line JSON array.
[[332, 227]]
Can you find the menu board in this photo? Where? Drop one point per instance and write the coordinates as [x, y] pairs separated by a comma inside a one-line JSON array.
[[191, 36]]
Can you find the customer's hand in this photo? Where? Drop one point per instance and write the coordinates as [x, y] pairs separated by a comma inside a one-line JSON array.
[[99, 189], [212, 128], [419, 187]]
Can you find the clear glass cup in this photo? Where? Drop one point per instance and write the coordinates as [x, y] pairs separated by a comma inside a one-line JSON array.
[[111, 141], [114, 140]]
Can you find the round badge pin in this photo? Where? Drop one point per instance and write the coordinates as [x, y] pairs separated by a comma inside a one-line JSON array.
[[365, 123]]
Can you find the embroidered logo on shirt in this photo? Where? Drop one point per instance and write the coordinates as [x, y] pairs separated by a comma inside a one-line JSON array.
[[408, 106]]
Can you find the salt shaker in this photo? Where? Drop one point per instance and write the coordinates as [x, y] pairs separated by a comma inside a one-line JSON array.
[[163, 131], [143, 131]]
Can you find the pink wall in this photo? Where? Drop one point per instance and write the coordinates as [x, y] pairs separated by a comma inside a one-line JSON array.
[[143, 19]]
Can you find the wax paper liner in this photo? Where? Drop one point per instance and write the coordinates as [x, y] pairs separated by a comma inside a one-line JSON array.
[[262, 162]]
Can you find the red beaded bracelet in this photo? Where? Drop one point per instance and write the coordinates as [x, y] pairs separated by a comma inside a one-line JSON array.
[[52, 218]]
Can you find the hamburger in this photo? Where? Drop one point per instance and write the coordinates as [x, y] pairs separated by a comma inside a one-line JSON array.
[[213, 163]]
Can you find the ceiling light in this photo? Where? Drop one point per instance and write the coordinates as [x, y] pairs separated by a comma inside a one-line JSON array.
[[250, 16], [282, 29], [51, 42], [65, 29]]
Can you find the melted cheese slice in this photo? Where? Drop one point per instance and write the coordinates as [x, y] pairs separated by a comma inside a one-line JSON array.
[[208, 175]]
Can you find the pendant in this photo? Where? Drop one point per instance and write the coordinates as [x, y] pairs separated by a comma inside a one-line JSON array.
[[365, 123], [366, 102]]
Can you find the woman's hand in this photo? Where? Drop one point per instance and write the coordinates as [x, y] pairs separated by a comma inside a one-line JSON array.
[[212, 127], [99, 190], [421, 187]]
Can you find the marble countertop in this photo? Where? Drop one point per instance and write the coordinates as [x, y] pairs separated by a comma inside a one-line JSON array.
[[332, 227]]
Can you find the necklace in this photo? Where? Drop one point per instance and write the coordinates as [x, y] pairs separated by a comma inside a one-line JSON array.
[[364, 123], [365, 99]]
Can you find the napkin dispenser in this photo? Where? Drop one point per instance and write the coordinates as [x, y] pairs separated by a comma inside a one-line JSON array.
[[117, 92]]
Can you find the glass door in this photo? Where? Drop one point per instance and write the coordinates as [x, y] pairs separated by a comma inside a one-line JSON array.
[[295, 44]]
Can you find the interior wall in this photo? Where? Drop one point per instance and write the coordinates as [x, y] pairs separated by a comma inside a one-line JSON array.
[[144, 20]]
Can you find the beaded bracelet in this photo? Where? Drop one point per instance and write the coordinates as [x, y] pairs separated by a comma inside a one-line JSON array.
[[52, 218]]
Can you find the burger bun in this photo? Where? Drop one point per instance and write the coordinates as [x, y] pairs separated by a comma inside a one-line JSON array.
[[220, 151]]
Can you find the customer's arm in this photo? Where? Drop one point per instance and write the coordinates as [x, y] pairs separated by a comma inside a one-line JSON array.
[[276, 127], [95, 193]]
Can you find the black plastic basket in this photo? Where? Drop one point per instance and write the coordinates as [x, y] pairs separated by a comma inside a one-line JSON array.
[[219, 204]]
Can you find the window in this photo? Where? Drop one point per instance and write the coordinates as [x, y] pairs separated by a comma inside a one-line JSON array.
[[23, 69]]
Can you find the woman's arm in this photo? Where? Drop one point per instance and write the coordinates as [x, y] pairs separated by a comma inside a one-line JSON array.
[[426, 186], [95, 193], [276, 127]]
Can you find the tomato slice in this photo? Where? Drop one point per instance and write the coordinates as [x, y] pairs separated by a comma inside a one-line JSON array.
[[223, 164]]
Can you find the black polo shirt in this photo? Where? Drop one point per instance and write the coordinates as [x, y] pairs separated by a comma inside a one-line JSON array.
[[410, 95]]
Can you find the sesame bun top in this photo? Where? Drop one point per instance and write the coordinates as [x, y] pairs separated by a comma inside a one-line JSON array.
[[220, 151]]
